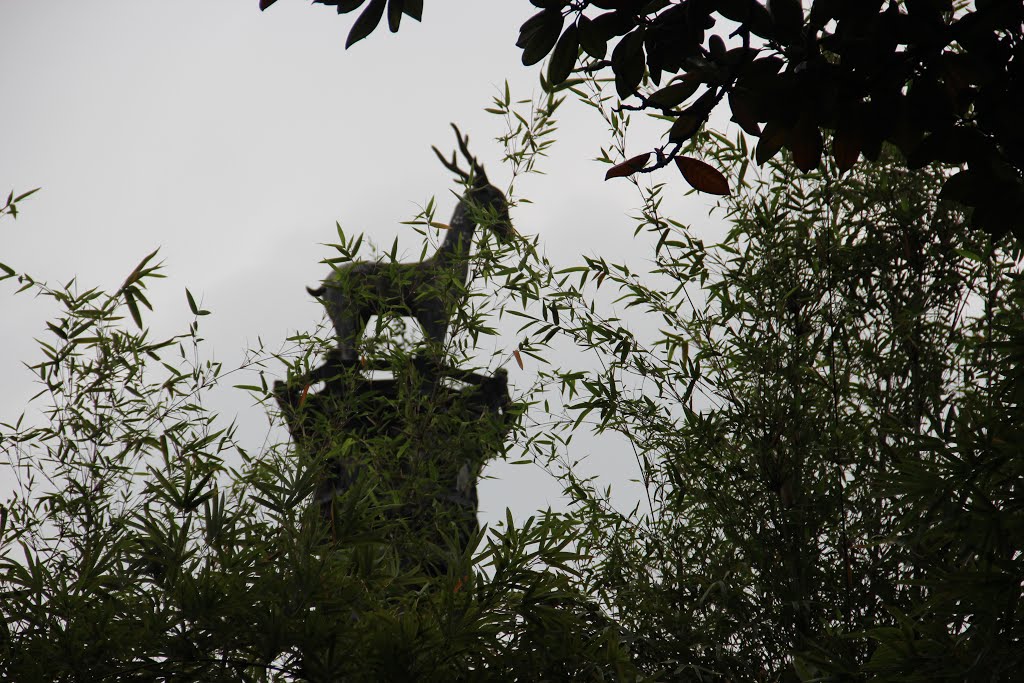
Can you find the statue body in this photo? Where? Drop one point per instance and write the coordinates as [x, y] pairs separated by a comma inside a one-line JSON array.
[[430, 290]]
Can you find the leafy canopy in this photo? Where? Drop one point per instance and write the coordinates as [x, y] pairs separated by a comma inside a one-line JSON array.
[[943, 81]]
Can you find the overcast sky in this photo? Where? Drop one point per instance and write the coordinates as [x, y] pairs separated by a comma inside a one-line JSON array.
[[233, 140]]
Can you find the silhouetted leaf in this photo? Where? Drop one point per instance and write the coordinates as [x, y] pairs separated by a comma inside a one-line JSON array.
[[191, 302], [871, 148], [702, 176], [264, 4], [763, 68], [806, 144], [617, 4], [674, 94], [627, 167], [716, 47], [846, 144], [739, 55], [823, 11], [539, 34], [414, 9], [344, 6], [788, 17], [395, 8], [961, 188], [686, 124], [771, 141], [930, 9], [528, 28], [563, 59], [590, 40], [735, 10], [23, 195], [133, 307], [628, 64], [611, 24], [743, 111], [759, 21], [366, 22]]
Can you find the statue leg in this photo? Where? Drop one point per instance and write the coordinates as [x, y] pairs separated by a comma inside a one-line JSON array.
[[431, 317], [347, 319]]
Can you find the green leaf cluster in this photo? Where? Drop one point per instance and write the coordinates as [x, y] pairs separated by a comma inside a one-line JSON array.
[[826, 425]]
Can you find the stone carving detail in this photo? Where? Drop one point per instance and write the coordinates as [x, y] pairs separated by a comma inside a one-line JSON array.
[[433, 483]]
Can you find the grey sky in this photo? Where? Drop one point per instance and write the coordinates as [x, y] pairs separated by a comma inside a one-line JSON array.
[[234, 139]]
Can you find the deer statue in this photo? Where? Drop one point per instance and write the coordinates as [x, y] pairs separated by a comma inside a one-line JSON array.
[[429, 290]]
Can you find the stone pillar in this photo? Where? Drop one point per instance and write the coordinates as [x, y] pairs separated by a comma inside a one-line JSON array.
[[421, 436]]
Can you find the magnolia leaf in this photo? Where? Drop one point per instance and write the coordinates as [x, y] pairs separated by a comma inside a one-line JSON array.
[[685, 126], [344, 6], [590, 40], [741, 104], [702, 176], [395, 11], [846, 144], [806, 144], [961, 187], [628, 63], [674, 94], [788, 17], [539, 34], [366, 22], [563, 59], [414, 9], [735, 10], [772, 138], [627, 167]]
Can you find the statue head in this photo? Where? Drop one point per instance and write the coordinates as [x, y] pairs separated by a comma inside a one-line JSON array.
[[485, 203]]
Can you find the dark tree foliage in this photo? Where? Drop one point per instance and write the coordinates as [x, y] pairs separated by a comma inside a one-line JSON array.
[[828, 426], [942, 81], [143, 542]]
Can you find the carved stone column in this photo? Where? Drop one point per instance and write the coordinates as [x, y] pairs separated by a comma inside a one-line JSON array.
[[422, 436]]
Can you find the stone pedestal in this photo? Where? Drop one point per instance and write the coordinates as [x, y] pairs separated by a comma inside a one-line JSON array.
[[421, 436]]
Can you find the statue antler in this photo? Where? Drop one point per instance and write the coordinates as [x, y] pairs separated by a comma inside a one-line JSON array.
[[476, 171]]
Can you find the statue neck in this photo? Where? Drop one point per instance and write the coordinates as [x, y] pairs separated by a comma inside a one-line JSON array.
[[459, 236]]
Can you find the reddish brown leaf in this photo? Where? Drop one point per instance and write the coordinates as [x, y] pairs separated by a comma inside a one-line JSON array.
[[685, 126], [806, 144], [519, 358], [702, 176], [674, 94], [772, 138], [627, 167], [740, 102], [846, 144]]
